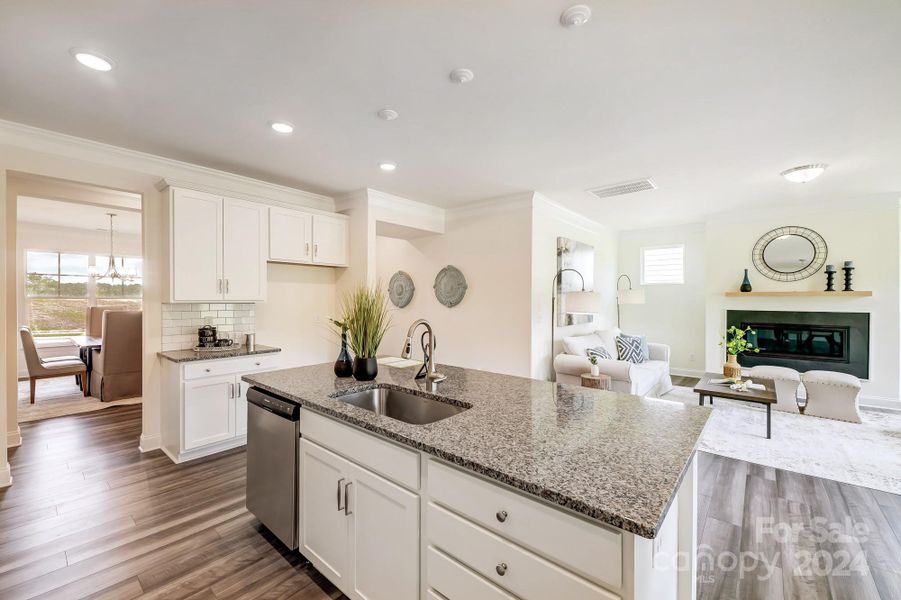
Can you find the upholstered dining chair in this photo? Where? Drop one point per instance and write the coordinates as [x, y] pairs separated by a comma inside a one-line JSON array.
[[40, 368], [118, 365]]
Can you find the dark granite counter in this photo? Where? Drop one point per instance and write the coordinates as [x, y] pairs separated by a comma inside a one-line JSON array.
[[189, 355], [615, 458]]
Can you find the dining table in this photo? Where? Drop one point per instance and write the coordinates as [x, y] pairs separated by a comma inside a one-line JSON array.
[[86, 344]]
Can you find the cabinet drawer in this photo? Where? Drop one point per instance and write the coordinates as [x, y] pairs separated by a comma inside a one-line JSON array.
[[227, 366], [523, 573], [389, 460], [455, 582], [590, 550]]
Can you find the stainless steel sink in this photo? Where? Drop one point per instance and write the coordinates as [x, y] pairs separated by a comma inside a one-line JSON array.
[[401, 405]]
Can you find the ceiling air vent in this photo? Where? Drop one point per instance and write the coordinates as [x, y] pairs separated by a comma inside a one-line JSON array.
[[620, 189]]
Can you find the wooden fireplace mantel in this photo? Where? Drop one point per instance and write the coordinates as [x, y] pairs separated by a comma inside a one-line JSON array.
[[801, 294]]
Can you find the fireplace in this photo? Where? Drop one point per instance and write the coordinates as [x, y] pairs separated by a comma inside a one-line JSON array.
[[807, 340]]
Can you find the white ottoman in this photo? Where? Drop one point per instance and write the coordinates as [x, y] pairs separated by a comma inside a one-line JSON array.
[[832, 395], [786, 383]]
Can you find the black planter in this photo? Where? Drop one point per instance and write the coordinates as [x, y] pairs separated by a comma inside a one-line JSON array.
[[365, 369], [344, 365]]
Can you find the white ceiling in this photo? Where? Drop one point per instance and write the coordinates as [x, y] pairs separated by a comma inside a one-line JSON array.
[[76, 215], [711, 99]]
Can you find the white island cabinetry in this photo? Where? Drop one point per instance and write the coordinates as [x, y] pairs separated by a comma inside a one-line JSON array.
[[384, 521]]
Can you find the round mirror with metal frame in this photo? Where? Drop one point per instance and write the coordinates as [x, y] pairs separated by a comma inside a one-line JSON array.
[[789, 253]]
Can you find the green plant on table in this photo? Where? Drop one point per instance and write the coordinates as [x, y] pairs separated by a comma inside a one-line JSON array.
[[736, 341], [365, 318], [593, 359]]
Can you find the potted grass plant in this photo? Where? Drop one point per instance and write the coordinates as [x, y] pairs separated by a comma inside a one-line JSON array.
[[366, 318]]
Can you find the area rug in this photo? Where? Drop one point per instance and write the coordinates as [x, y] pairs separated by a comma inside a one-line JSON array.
[[866, 454], [60, 397]]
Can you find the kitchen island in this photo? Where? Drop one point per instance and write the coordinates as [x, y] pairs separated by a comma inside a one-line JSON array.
[[564, 490]]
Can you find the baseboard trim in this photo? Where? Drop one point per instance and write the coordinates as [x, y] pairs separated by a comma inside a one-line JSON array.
[[880, 402], [6, 477], [149, 443], [14, 438], [687, 372]]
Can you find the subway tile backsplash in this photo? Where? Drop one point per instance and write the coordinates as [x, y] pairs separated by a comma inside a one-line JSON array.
[[180, 322]]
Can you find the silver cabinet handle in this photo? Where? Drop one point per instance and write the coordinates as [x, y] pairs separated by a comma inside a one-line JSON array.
[[501, 569], [315, 250], [218, 286], [339, 495], [226, 286], [307, 251], [501, 515], [239, 389], [231, 390], [347, 510]]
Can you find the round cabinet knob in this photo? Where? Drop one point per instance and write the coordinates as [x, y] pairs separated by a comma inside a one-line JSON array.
[[501, 569], [207, 370], [257, 364], [501, 515]]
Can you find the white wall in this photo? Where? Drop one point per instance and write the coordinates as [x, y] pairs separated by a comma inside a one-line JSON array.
[[550, 221], [294, 316], [864, 230], [489, 329], [672, 314]]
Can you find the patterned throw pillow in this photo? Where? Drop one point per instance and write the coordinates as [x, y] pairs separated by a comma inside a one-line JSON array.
[[629, 349], [600, 352]]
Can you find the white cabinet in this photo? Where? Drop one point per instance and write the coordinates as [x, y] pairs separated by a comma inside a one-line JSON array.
[[290, 235], [209, 413], [204, 404], [297, 236], [357, 528], [217, 248], [329, 240]]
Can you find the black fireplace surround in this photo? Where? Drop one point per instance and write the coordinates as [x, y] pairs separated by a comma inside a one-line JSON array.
[[807, 341]]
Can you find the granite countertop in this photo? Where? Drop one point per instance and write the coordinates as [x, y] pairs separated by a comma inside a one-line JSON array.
[[615, 458], [189, 355]]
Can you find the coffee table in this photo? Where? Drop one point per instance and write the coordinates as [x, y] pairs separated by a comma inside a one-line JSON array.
[[766, 397]]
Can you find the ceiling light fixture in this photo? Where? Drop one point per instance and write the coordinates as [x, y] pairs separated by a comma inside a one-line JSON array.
[[387, 166], [461, 75], [281, 127], [92, 60], [804, 173], [575, 16], [386, 114]]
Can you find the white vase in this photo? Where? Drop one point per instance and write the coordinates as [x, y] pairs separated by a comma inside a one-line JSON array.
[[595, 370]]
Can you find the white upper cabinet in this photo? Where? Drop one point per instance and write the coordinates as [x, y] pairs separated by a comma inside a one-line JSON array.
[[196, 264], [296, 236], [290, 235], [329, 240], [244, 251], [218, 248]]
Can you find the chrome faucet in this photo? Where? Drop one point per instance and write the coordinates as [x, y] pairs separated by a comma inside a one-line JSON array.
[[431, 374]]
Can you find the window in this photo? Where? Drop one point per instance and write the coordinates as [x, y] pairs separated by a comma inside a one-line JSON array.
[[662, 264], [59, 289]]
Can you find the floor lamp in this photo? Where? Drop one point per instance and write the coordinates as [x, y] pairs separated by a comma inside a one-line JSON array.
[[628, 296], [583, 302]]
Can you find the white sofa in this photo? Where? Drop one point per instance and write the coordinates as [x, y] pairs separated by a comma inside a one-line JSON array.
[[650, 378]]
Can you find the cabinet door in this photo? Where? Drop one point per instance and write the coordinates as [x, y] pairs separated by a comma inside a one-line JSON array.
[[244, 250], [324, 526], [329, 240], [196, 245], [385, 533], [290, 235], [209, 411], [241, 406]]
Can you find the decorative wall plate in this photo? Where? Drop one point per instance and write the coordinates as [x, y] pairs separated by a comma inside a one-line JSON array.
[[400, 289], [450, 286]]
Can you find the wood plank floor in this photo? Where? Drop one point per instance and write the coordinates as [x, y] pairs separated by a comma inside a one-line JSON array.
[[89, 516]]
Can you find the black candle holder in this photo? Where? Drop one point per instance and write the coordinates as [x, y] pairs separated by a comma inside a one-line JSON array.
[[847, 271], [830, 281]]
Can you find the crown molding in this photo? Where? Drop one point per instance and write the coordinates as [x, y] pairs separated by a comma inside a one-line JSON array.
[[492, 206], [170, 170], [569, 216]]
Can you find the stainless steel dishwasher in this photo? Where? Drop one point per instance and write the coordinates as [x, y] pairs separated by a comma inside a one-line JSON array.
[[272, 441]]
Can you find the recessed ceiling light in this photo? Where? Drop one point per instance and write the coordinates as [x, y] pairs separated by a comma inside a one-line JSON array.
[[281, 127], [387, 166], [575, 16], [386, 114], [461, 75], [92, 60], [804, 173]]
